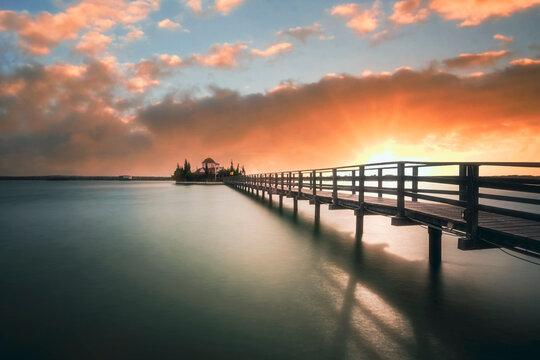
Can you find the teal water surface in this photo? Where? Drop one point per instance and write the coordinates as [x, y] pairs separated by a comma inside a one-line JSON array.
[[150, 270]]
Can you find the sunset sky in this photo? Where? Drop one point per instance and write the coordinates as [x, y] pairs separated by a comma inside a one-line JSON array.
[[109, 87]]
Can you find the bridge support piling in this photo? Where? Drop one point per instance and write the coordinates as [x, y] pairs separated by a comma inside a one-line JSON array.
[[359, 224], [434, 245], [295, 206], [270, 197], [317, 213], [280, 201]]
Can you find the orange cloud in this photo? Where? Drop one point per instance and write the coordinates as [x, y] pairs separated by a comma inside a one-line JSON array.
[[361, 21], [525, 62], [93, 43], [471, 60], [435, 112], [38, 34], [78, 126], [134, 33], [220, 56], [408, 12], [225, 6], [273, 50], [221, 6], [504, 40], [474, 12], [168, 24], [170, 60]]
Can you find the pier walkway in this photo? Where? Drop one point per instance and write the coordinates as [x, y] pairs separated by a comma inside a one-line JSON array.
[[484, 211]]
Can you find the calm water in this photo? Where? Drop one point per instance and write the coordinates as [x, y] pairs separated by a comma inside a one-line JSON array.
[[129, 270]]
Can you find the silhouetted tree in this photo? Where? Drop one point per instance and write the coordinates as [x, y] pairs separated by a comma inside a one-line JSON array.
[[177, 173]]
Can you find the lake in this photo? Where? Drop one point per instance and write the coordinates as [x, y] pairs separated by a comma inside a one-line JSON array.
[[150, 270]]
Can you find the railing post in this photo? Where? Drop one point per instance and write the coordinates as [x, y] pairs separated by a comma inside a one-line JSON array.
[[290, 182], [400, 189], [354, 182], [472, 202], [334, 187], [320, 181], [380, 182], [415, 182], [463, 182], [300, 183], [314, 184], [282, 182], [270, 190], [361, 180], [360, 211]]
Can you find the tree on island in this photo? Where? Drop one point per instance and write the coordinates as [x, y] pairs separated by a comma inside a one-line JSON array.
[[183, 174]]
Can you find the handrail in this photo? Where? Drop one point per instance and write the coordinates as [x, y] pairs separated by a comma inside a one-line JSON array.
[[469, 186]]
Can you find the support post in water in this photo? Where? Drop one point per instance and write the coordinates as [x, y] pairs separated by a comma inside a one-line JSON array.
[[317, 213], [434, 245], [295, 206], [360, 211]]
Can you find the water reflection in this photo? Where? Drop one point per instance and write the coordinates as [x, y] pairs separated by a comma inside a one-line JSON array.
[[379, 305], [157, 271]]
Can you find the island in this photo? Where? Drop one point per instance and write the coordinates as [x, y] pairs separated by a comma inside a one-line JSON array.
[[210, 173]]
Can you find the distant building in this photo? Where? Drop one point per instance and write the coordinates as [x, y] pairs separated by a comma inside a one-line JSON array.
[[212, 166], [126, 177]]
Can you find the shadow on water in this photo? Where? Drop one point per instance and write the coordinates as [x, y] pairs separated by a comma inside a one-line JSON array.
[[390, 307]]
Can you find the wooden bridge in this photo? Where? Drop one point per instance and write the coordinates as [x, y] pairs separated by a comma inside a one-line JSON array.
[[484, 211]]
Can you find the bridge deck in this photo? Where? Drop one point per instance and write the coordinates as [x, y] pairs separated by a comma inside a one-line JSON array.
[[521, 232]]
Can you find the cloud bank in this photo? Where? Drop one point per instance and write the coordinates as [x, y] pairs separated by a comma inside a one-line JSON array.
[[78, 125]]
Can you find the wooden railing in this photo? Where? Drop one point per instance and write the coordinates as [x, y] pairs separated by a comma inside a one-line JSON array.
[[515, 196]]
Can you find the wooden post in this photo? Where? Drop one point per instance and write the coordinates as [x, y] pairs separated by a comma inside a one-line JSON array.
[[361, 180], [400, 189], [263, 185], [295, 206], [359, 223], [313, 183], [354, 182], [300, 180], [317, 212], [290, 182], [360, 211], [472, 202], [270, 190], [257, 184], [282, 182], [463, 182], [415, 182], [434, 245], [320, 181], [334, 187], [380, 183]]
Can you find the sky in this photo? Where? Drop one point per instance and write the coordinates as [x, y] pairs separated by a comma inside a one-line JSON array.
[[109, 87]]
